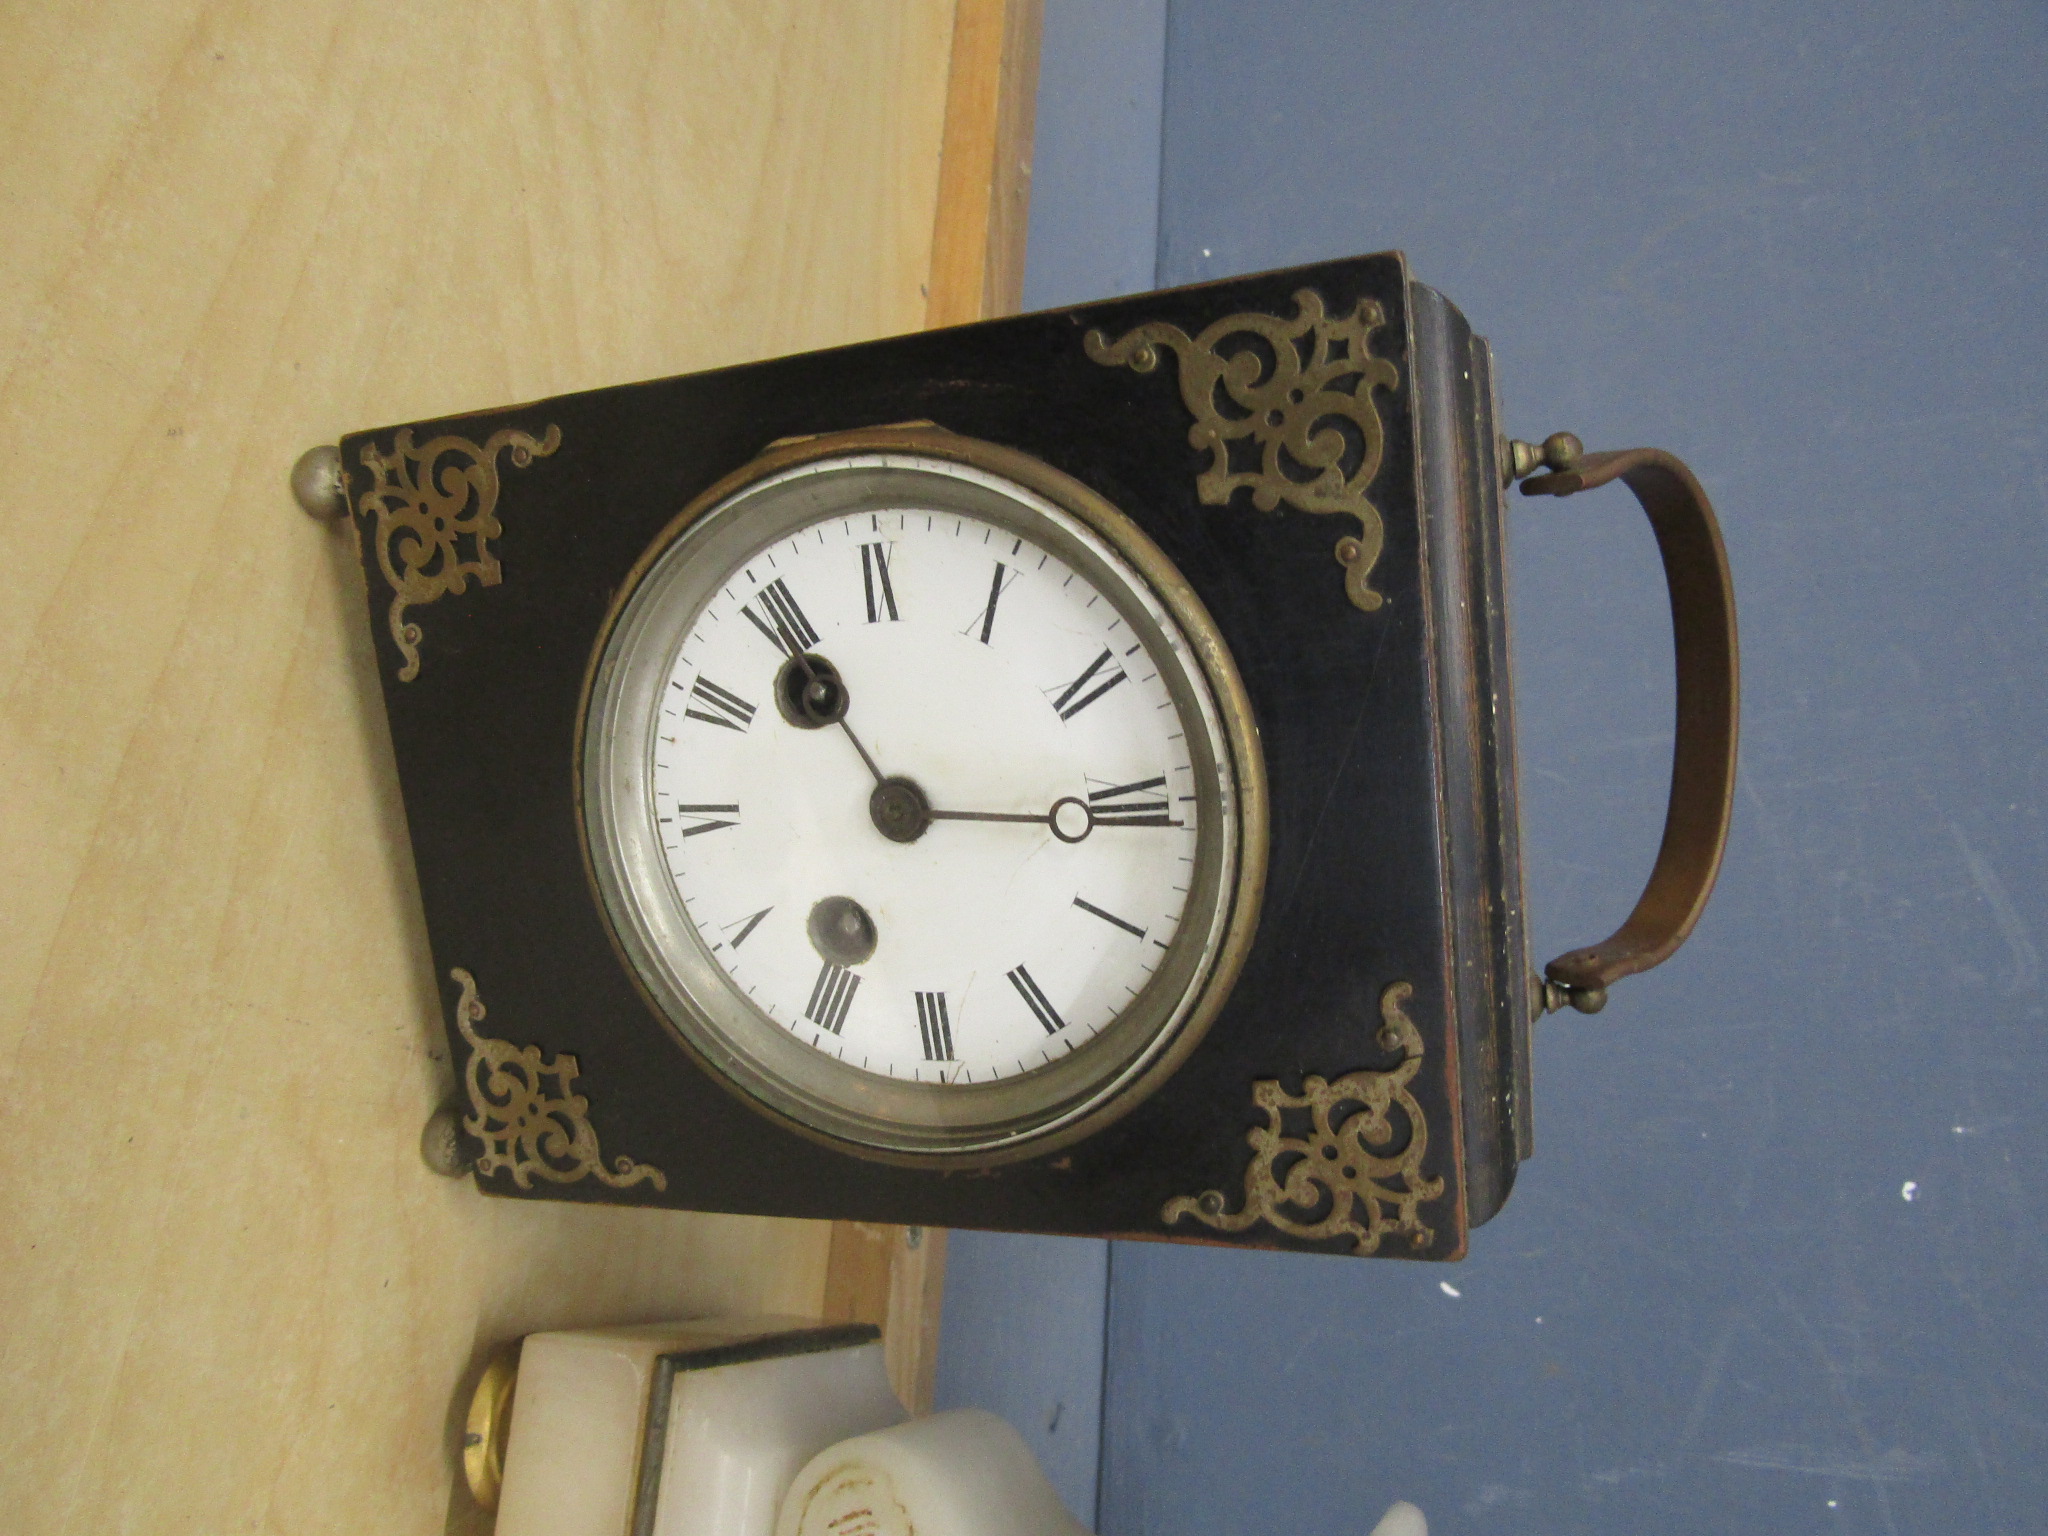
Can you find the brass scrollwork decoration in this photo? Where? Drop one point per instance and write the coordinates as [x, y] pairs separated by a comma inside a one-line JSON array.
[[1340, 1179], [437, 512], [531, 1124], [1294, 398]]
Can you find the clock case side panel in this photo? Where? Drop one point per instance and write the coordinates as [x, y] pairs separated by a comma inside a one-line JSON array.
[[485, 740], [1459, 480]]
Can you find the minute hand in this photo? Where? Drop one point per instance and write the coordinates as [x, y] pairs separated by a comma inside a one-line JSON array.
[[1070, 819]]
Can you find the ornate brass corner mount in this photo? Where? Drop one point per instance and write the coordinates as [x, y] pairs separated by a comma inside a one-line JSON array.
[[531, 1124], [1338, 1180], [1284, 408], [437, 512]]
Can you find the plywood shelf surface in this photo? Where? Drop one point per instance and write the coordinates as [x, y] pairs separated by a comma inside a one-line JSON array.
[[236, 1299]]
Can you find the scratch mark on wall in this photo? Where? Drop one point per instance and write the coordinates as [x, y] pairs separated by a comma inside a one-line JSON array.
[[1894, 1466], [1841, 1386], [2026, 959], [1709, 1382]]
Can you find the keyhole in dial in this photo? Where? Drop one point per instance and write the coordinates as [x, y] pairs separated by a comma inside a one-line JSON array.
[[810, 693]]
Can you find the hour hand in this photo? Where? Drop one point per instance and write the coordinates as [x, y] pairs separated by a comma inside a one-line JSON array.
[[812, 695]]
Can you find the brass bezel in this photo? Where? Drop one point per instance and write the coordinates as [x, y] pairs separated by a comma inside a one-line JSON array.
[[1238, 735]]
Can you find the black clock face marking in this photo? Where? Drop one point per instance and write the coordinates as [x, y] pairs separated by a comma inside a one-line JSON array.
[[1035, 999], [831, 997], [983, 626], [1136, 804], [874, 572], [1110, 917], [934, 1027], [746, 926], [1069, 705], [704, 818], [776, 614], [717, 706]]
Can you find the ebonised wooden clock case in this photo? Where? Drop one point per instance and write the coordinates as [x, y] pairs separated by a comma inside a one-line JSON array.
[[1314, 451]]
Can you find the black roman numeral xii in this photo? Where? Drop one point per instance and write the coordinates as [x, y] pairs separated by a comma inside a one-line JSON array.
[[874, 575]]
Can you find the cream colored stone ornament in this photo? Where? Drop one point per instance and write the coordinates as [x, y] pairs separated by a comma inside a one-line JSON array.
[[961, 1473]]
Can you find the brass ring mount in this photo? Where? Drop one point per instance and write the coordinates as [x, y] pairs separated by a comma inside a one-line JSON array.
[[1709, 707], [489, 1427]]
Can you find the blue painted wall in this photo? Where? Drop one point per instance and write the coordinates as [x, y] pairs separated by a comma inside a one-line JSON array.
[[1779, 1263], [1094, 229]]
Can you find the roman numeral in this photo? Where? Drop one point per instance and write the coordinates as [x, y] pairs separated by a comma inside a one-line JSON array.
[[1110, 917], [781, 620], [831, 997], [706, 817], [1041, 1009], [934, 1026], [874, 574], [1069, 705], [717, 706], [1004, 578], [746, 926], [1130, 805]]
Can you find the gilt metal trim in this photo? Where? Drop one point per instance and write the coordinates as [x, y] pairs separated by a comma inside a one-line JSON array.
[[1338, 1180], [437, 512], [531, 1124], [1294, 397]]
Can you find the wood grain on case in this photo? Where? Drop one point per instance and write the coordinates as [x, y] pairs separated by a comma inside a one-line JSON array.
[[236, 1299]]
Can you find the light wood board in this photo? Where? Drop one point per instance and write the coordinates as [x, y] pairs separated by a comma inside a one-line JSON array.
[[985, 169], [235, 1299]]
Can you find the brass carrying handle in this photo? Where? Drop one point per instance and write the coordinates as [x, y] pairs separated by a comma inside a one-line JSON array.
[[1703, 749]]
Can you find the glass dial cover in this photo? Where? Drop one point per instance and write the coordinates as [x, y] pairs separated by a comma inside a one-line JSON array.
[[916, 797]]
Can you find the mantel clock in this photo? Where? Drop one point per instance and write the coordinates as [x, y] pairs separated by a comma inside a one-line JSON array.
[[1053, 774]]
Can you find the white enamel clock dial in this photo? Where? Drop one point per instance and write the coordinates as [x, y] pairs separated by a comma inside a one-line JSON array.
[[917, 810], [995, 679]]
